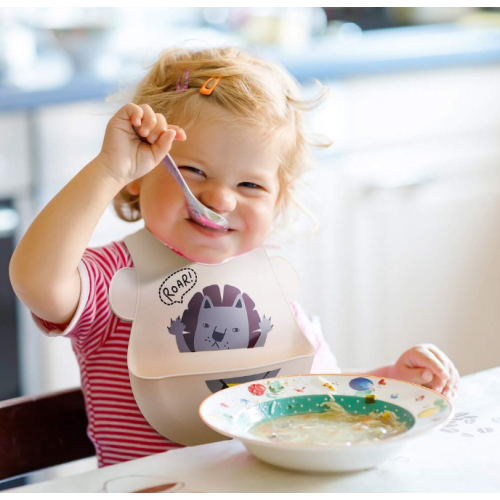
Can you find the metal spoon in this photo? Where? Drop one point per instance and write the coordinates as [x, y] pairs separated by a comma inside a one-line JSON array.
[[198, 212]]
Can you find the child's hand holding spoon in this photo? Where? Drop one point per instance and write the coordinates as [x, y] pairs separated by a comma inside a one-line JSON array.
[[198, 212]]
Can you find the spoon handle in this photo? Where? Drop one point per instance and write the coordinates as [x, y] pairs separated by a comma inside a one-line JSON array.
[[197, 210], [170, 165]]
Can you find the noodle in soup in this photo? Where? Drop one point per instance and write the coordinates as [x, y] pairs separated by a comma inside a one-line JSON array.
[[333, 427]]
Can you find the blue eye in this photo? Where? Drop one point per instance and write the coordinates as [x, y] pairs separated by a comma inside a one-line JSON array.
[[206, 325], [194, 170], [250, 185], [236, 330]]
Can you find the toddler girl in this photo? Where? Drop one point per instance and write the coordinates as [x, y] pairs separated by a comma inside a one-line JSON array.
[[240, 147]]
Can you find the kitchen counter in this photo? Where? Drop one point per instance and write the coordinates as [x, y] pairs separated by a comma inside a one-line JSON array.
[[375, 52]]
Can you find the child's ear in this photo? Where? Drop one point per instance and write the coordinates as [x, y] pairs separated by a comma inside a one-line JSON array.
[[134, 187]]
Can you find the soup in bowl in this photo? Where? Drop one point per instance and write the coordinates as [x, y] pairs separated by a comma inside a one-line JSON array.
[[325, 423]]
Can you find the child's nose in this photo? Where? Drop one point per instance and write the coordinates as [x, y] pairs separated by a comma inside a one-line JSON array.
[[218, 198]]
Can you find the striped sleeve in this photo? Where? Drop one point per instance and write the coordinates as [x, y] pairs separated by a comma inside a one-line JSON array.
[[91, 321], [324, 360]]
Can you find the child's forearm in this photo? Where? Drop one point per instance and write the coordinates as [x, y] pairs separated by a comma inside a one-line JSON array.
[[43, 268]]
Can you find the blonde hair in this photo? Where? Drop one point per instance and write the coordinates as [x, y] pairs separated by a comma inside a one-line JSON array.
[[254, 91]]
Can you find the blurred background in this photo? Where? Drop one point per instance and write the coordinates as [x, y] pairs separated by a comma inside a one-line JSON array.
[[408, 196]]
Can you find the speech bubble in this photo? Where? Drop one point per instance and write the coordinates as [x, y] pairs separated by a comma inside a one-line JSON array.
[[173, 289]]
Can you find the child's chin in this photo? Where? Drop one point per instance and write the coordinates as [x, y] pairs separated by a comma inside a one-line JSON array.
[[203, 256], [203, 259]]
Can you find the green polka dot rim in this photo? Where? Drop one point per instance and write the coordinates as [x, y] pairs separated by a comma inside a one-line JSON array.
[[313, 404]]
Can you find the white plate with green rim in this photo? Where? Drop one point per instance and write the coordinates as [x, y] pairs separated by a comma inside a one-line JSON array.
[[233, 411]]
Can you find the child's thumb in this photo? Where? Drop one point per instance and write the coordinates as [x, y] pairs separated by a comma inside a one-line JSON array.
[[421, 376], [163, 145]]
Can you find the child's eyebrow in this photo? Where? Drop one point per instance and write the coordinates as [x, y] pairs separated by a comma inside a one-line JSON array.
[[259, 175]]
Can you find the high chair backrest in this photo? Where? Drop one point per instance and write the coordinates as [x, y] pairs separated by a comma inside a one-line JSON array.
[[42, 431]]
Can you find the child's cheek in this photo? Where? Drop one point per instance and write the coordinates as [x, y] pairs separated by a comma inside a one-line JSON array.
[[260, 223]]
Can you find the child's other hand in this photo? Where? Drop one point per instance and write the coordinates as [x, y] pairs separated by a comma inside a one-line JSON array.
[[427, 365], [124, 155]]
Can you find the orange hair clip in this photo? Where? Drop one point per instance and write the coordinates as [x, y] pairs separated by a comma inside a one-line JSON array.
[[207, 91]]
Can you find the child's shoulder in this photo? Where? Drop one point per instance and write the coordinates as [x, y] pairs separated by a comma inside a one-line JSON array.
[[113, 255]]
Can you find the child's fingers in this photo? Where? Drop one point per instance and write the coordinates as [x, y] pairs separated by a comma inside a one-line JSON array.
[[161, 127], [450, 367], [451, 387], [162, 146], [180, 133], [424, 358], [131, 113], [148, 121], [158, 129], [418, 376]]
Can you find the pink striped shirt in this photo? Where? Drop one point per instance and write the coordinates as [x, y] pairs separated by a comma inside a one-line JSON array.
[[100, 341]]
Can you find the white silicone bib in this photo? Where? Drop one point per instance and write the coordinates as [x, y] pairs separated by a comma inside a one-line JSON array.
[[201, 328]]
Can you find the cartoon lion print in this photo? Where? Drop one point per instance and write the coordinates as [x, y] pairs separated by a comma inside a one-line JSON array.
[[212, 323]]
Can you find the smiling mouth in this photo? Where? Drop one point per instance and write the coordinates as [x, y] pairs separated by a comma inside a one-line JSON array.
[[210, 229]]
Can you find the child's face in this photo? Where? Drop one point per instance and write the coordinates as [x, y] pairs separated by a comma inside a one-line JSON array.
[[229, 169]]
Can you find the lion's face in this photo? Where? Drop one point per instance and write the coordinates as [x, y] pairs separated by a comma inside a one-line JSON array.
[[222, 327]]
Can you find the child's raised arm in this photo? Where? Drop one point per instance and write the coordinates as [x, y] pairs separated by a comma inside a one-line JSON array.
[[43, 269]]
